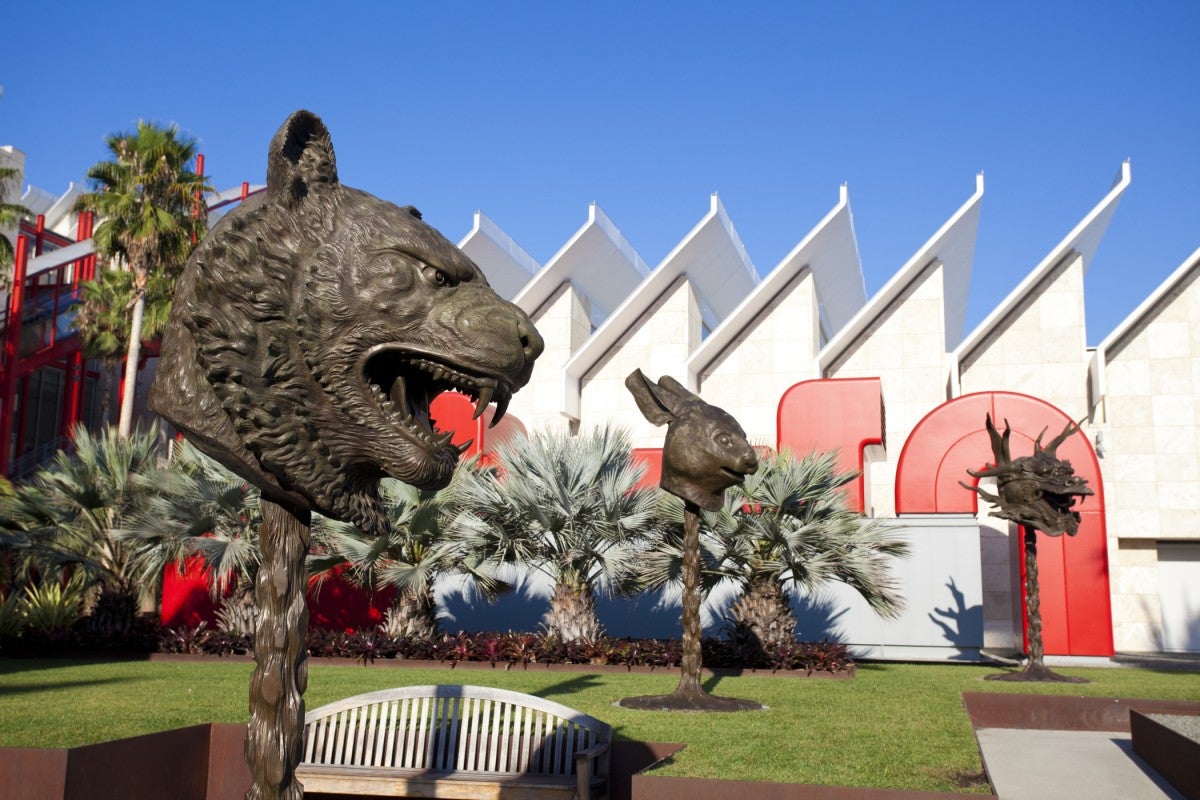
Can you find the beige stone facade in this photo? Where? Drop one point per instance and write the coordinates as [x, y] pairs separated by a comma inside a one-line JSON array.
[[767, 358], [1138, 393], [1147, 414], [905, 347], [658, 343]]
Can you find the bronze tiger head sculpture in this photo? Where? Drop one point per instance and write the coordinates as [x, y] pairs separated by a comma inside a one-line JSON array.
[[314, 325]]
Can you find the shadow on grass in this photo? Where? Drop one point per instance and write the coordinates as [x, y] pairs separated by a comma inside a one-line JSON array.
[[577, 683], [12, 691], [11, 664]]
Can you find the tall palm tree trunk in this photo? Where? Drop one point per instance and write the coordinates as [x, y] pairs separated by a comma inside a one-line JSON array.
[[275, 741], [131, 365]]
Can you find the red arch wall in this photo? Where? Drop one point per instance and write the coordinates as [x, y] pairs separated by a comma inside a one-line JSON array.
[[842, 414], [1076, 610]]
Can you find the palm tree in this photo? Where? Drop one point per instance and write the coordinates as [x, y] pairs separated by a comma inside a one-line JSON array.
[[103, 320], [418, 549], [569, 507], [198, 508], [150, 220], [15, 546], [787, 528], [10, 215], [72, 510]]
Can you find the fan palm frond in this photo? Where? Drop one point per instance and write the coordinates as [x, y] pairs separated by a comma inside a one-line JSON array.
[[567, 506], [410, 557], [787, 527]]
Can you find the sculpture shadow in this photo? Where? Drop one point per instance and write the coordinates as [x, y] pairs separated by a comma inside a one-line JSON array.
[[576, 683], [521, 609], [642, 616], [961, 625]]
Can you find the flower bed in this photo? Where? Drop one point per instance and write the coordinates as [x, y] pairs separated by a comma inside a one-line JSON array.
[[524, 649], [510, 649]]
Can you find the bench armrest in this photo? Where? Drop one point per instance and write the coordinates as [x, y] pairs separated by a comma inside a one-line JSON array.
[[583, 768]]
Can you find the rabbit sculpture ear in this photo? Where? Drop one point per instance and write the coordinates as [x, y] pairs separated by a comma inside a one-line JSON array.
[[658, 402]]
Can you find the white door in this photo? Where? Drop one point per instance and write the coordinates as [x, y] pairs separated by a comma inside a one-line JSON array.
[[1179, 592]]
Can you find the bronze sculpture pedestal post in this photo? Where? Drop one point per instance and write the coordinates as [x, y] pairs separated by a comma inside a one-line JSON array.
[[1038, 492], [705, 452], [275, 741], [690, 695], [1035, 668]]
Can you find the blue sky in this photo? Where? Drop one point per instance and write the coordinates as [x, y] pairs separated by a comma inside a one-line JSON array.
[[529, 111]]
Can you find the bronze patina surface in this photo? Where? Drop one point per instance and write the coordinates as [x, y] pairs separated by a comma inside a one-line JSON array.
[[310, 331], [314, 325], [705, 452], [1038, 492]]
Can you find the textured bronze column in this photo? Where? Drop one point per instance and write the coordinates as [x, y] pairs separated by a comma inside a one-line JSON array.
[[1033, 603], [275, 742], [692, 657], [309, 333], [1035, 668], [1038, 492], [705, 452]]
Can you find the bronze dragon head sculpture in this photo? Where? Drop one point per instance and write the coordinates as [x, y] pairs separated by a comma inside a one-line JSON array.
[[314, 325], [1038, 491]]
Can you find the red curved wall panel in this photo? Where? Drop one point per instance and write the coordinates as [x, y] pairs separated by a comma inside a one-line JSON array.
[[842, 414], [1074, 591]]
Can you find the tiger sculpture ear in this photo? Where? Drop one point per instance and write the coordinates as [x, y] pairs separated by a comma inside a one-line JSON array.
[[300, 158]]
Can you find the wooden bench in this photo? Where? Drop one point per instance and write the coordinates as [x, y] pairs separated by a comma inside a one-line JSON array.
[[468, 742]]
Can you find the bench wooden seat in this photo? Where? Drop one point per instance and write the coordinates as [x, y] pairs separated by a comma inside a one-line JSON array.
[[467, 742]]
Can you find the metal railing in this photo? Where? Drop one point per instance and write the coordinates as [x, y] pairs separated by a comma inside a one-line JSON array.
[[26, 464]]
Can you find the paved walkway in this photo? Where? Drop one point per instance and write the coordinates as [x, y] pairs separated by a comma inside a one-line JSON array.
[[1068, 765]]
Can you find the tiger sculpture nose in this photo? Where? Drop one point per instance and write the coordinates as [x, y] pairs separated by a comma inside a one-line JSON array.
[[531, 340]]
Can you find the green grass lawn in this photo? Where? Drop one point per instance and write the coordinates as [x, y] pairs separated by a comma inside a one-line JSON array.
[[895, 725]]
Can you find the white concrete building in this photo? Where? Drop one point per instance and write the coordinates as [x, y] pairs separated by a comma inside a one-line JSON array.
[[704, 317]]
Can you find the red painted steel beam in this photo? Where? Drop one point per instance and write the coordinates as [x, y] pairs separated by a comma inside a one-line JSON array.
[[62, 349], [72, 395], [12, 343]]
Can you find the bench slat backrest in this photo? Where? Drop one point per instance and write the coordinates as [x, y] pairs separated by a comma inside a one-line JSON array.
[[451, 728]]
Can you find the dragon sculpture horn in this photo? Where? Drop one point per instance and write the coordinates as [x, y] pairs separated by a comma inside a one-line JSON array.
[[1000, 452], [1051, 448], [1000, 445]]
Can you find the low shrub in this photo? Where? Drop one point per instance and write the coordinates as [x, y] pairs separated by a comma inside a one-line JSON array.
[[507, 649]]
